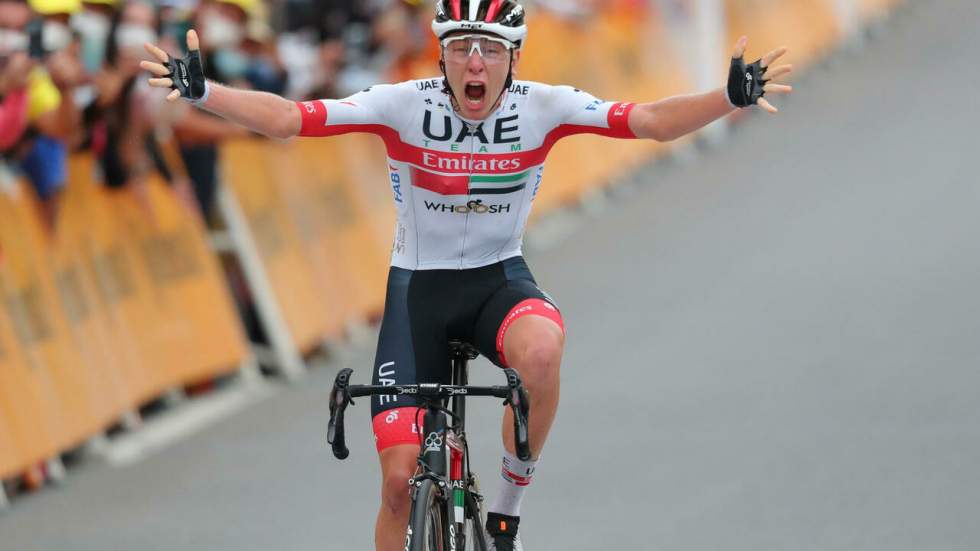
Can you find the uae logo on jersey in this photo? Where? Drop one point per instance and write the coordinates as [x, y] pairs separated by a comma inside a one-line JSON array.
[[477, 184]]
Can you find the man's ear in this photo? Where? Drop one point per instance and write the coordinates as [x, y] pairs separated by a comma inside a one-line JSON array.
[[517, 60]]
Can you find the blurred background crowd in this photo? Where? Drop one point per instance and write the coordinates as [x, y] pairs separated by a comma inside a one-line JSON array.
[[70, 79]]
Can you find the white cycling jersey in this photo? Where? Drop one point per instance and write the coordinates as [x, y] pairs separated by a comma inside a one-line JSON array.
[[464, 189]]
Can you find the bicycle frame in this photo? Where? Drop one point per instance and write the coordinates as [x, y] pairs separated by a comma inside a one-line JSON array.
[[444, 448], [443, 457]]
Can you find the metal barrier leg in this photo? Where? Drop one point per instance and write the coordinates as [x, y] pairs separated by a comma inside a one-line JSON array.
[[95, 446], [131, 420], [710, 28], [174, 397], [56, 470], [287, 356], [249, 373], [847, 17]]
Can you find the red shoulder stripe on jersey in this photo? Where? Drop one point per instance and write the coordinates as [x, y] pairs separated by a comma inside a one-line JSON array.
[[315, 118]]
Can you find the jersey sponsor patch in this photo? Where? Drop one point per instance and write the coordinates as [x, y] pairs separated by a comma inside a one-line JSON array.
[[477, 184]]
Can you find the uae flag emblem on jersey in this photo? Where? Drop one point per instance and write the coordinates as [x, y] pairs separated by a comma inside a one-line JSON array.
[[477, 184]]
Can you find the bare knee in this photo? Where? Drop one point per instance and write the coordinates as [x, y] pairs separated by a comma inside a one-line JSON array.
[[397, 467], [394, 492], [538, 359]]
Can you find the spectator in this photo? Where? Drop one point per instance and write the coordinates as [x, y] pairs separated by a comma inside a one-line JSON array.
[[51, 123], [15, 67], [351, 42], [198, 132], [127, 110], [265, 72], [322, 37], [403, 35], [223, 25], [92, 24]]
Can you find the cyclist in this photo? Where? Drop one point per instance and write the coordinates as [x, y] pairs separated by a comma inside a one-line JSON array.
[[465, 154]]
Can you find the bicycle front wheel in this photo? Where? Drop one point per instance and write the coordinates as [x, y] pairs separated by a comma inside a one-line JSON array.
[[473, 535], [427, 523]]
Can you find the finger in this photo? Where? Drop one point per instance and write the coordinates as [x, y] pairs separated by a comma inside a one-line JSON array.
[[740, 46], [161, 55], [173, 95], [155, 68], [164, 82], [777, 72], [773, 56], [770, 88], [763, 103], [192, 41]]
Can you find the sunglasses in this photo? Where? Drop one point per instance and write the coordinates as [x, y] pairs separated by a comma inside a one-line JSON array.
[[459, 49]]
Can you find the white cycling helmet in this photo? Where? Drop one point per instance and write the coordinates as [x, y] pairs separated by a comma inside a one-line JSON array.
[[504, 18]]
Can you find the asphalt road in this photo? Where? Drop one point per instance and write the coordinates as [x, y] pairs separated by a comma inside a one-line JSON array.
[[772, 346]]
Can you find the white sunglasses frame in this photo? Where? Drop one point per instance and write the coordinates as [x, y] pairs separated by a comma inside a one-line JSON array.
[[510, 46]]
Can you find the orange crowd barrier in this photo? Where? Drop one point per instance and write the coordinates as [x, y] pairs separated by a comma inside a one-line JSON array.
[[321, 216], [358, 211], [66, 378], [27, 400], [255, 180], [190, 287], [119, 303], [807, 27]]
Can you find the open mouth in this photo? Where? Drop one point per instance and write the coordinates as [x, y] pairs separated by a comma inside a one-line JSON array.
[[475, 92]]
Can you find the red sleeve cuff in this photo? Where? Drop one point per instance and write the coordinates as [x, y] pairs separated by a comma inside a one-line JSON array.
[[619, 120], [314, 115]]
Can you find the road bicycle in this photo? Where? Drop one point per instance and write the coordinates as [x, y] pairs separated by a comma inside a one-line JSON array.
[[446, 513]]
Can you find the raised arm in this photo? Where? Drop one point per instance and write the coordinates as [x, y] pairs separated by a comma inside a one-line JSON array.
[[260, 112], [671, 118]]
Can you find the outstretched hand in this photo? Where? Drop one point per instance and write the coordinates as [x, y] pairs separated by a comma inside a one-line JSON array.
[[747, 84], [184, 76]]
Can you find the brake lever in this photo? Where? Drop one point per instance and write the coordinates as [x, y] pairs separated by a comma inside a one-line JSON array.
[[521, 406], [339, 400]]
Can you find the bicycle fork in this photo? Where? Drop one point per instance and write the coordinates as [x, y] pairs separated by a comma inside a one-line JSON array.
[[442, 441]]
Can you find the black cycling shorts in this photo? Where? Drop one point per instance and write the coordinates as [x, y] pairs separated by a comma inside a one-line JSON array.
[[424, 310]]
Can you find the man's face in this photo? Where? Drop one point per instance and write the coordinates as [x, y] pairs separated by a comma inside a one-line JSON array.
[[14, 16], [137, 25], [221, 25], [477, 80]]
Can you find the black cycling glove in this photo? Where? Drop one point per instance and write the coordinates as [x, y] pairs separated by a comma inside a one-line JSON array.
[[746, 82], [187, 75]]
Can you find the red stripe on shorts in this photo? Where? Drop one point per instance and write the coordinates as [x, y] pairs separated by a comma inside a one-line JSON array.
[[529, 307]]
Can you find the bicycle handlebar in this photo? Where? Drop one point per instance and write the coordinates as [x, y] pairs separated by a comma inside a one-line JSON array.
[[339, 399], [514, 395]]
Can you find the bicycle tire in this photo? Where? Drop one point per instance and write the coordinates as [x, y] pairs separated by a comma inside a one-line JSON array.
[[427, 522], [475, 538]]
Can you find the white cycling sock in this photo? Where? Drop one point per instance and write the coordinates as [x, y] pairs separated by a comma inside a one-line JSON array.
[[515, 476]]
